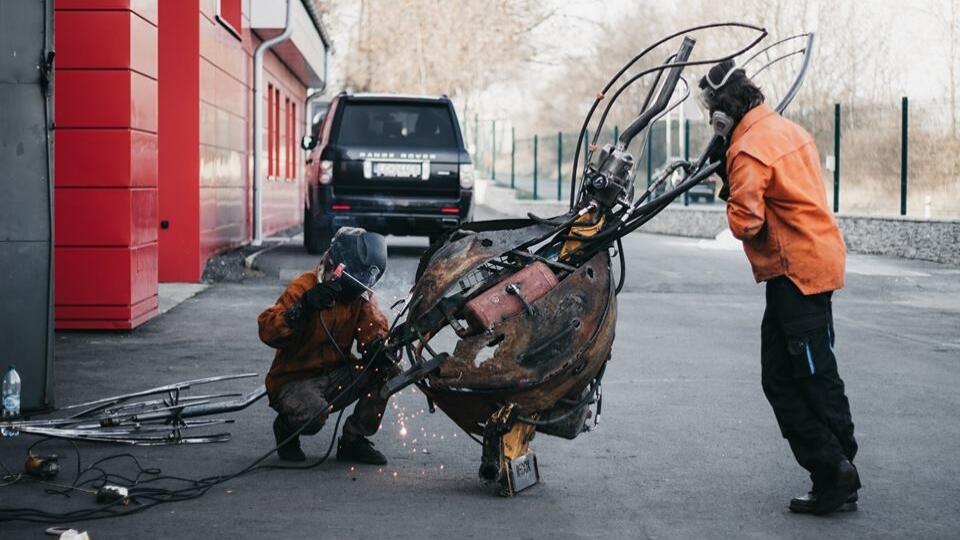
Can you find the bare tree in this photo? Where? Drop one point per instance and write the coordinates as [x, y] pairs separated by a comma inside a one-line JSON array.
[[452, 47]]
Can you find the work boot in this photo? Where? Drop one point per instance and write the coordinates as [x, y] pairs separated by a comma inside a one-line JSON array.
[[805, 504], [845, 485], [359, 450], [290, 451]]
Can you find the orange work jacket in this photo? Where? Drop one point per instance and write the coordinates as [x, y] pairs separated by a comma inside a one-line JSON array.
[[310, 352], [778, 205]]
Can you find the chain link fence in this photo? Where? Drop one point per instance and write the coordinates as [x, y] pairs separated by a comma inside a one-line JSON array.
[[887, 159]]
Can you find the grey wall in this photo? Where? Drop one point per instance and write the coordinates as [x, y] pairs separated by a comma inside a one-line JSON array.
[[26, 235]]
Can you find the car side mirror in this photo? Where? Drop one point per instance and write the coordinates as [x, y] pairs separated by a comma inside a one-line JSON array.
[[308, 142]]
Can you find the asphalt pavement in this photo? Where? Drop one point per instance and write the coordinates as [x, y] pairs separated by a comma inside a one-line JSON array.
[[687, 446]]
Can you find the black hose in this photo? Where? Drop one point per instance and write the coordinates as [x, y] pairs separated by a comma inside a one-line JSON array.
[[623, 265]]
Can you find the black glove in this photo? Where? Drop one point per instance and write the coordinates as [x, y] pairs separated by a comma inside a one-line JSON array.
[[382, 360], [718, 154], [323, 295]]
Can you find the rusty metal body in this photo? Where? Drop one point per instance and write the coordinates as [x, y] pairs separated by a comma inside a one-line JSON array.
[[533, 337], [538, 358]]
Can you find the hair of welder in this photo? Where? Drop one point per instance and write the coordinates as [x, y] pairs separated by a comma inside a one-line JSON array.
[[737, 96]]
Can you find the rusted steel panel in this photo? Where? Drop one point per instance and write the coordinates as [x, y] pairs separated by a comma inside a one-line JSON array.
[[538, 359]]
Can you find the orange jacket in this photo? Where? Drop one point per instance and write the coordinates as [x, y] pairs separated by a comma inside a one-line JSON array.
[[778, 204], [310, 352]]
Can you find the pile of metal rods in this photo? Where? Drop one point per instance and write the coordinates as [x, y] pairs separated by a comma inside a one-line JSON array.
[[167, 418]]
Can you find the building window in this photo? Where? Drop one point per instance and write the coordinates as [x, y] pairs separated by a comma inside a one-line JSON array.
[[286, 138], [270, 149], [276, 132], [230, 15], [293, 141]]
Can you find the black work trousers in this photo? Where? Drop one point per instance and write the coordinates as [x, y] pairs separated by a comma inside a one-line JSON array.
[[800, 379]]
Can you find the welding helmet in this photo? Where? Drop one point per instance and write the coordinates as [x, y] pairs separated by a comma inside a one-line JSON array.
[[357, 259]]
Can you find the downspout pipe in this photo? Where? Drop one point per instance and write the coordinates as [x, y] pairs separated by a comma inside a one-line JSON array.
[[258, 134], [308, 121]]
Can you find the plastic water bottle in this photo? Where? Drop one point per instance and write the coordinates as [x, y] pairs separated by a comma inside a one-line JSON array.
[[11, 400]]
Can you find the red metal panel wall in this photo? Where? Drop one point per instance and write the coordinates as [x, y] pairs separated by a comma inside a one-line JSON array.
[[179, 142], [106, 163], [226, 118], [205, 144]]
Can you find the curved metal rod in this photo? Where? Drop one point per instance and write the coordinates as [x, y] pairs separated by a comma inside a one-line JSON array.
[[576, 155], [646, 212], [635, 78], [772, 45], [775, 60], [600, 96], [801, 76]]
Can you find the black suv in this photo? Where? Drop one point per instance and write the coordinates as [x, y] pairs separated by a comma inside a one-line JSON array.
[[387, 163]]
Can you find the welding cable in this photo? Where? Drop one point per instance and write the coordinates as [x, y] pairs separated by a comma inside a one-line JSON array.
[[623, 265], [198, 487], [602, 94]]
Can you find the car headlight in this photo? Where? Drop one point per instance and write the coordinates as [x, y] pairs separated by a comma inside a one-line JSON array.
[[467, 176]]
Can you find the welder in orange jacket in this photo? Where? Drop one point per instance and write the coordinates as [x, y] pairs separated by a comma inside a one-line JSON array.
[[777, 205], [313, 327]]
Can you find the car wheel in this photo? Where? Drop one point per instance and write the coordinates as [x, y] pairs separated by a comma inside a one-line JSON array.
[[316, 239]]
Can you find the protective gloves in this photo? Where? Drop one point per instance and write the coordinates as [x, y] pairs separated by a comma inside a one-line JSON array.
[[719, 154], [322, 296]]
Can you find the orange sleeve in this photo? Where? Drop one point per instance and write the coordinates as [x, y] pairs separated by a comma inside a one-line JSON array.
[[371, 325], [745, 206], [273, 327]]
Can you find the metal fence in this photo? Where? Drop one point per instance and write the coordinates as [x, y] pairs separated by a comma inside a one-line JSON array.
[[881, 160]]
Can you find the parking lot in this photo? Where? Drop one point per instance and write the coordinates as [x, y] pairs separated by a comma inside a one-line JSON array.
[[687, 446]]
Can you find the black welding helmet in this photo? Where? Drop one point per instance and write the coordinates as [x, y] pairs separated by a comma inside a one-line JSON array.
[[357, 259]]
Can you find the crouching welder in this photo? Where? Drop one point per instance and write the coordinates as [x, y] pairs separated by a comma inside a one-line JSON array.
[[777, 205], [313, 326]]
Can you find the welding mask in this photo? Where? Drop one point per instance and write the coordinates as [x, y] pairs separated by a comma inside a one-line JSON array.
[[356, 260]]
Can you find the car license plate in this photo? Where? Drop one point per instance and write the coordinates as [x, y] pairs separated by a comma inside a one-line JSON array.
[[523, 472], [397, 170]]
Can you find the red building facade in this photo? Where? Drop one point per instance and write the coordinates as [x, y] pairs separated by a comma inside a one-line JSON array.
[[153, 140]]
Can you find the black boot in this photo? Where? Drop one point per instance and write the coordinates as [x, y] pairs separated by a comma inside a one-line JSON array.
[[290, 451], [805, 504], [359, 450], [839, 493]]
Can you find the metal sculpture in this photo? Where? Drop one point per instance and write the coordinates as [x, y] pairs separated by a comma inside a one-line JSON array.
[[533, 302]]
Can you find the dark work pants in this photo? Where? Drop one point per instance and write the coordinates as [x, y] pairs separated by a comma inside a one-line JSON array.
[[800, 379], [307, 401]]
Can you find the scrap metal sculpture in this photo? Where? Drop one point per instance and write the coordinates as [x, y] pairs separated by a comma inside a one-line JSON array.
[[533, 302]]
